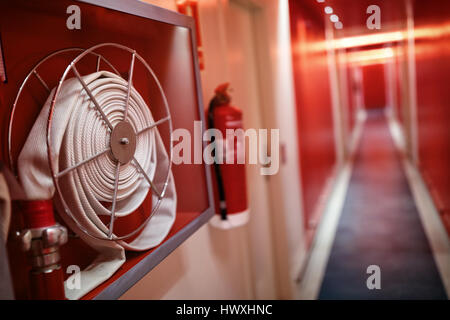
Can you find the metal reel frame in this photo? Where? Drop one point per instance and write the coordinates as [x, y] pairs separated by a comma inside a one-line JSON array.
[[34, 72], [56, 175]]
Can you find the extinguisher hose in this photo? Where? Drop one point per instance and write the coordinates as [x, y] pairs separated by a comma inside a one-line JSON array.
[[222, 204]]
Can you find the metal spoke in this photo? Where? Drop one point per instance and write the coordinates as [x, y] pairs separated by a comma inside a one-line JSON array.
[[91, 96], [130, 80], [147, 178], [98, 63], [114, 201], [67, 170], [41, 80], [157, 123]]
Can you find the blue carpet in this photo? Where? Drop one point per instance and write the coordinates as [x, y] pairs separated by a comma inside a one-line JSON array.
[[380, 226]]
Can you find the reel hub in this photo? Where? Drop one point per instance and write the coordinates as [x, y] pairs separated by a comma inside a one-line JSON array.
[[123, 142]]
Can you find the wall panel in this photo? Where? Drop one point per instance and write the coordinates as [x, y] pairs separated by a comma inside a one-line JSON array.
[[314, 112], [433, 99]]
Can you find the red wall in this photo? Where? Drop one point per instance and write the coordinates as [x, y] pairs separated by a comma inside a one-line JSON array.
[[433, 101], [374, 86], [351, 106], [314, 114], [353, 87], [398, 80]]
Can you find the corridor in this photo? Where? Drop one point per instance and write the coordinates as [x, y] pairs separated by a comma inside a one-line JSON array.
[[380, 225]]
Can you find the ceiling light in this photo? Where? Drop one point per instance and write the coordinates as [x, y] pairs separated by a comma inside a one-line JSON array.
[[338, 25], [328, 10], [334, 18]]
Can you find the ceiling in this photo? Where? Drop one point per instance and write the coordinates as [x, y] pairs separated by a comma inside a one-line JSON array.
[[352, 13]]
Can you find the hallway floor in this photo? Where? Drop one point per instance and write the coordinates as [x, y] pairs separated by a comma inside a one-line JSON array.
[[380, 225]]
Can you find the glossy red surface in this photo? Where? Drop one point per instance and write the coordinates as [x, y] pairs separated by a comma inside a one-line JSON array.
[[399, 79], [37, 214], [314, 113], [233, 175], [47, 286], [433, 100], [351, 106]]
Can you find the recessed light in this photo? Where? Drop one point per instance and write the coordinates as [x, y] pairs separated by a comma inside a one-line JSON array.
[[334, 18], [320, 1], [328, 10], [338, 25]]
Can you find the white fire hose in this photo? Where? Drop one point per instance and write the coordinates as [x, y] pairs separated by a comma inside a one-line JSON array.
[[79, 133]]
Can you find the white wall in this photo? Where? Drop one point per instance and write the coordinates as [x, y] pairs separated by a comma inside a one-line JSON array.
[[287, 216], [215, 264]]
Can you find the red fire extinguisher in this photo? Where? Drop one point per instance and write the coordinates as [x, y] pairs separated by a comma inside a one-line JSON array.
[[231, 203]]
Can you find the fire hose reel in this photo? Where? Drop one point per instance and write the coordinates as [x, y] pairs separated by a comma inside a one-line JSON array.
[[94, 153]]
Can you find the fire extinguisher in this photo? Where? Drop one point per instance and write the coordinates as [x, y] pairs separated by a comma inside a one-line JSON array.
[[231, 201]]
